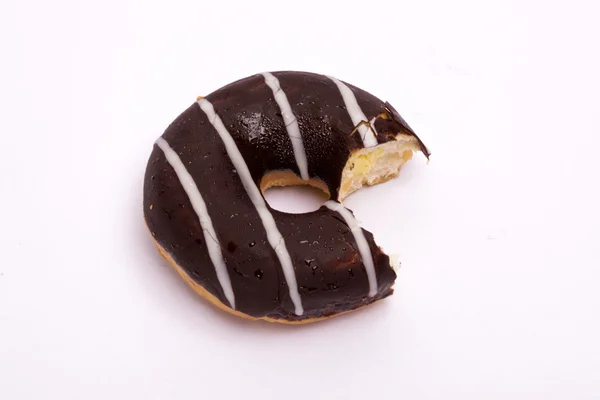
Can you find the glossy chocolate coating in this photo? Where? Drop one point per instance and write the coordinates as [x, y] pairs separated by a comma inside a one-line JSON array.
[[330, 273]]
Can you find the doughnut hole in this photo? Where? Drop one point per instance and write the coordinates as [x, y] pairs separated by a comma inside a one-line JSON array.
[[286, 192]]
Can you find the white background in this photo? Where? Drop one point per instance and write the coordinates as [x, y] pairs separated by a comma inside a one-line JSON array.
[[499, 292]]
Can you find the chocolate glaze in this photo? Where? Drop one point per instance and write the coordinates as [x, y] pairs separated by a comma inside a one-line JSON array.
[[330, 273]]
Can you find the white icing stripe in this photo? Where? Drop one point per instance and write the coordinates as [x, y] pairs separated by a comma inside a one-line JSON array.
[[273, 235], [356, 113], [291, 123], [363, 245], [210, 237]]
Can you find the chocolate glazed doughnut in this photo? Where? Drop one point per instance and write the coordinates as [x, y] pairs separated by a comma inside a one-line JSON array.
[[204, 206]]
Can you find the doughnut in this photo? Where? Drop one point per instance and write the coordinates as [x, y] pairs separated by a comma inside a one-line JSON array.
[[204, 206]]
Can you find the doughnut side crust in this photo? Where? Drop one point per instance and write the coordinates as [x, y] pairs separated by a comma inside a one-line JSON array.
[[199, 289]]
